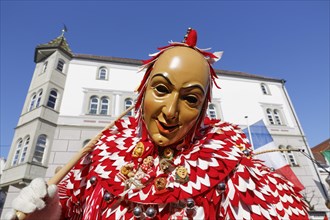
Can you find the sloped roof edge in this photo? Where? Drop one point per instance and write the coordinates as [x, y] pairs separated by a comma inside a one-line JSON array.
[[139, 62]]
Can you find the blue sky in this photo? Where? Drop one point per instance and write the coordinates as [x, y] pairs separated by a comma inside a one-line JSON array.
[[280, 39]]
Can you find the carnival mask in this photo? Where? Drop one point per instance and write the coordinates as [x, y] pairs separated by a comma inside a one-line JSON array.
[[175, 95]]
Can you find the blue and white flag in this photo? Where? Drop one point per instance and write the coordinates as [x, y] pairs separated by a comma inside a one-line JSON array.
[[263, 142]]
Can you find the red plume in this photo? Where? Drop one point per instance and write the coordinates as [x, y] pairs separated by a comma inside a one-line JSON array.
[[191, 38]]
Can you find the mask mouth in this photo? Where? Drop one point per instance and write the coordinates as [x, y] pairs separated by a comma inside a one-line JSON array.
[[166, 128]]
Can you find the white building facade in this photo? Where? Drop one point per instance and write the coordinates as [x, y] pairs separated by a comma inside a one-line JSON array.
[[72, 97]]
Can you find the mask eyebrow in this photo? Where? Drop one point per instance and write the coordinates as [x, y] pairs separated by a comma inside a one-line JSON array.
[[163, 76], [197, 86]]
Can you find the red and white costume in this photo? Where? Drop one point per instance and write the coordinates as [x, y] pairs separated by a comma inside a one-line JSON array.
[[225, 182]]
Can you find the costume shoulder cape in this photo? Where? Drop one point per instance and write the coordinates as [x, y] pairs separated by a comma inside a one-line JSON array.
[[224, 180]]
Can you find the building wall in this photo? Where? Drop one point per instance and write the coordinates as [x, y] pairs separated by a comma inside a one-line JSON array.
[[82, 78]]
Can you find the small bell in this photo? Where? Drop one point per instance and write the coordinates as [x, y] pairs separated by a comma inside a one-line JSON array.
[[108, 197], [137, 212], [190, 203], [93, 180], [151, 212], [246, 153], [221, 187]]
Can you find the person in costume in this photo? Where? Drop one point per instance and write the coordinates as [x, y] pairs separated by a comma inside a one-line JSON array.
[[170, 161]]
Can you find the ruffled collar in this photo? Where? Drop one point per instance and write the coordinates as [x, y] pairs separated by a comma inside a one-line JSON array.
[[208, 161]]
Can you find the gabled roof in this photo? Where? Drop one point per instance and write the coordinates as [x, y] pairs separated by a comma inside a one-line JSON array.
[[139, 62], [318, 149], [44, 50]]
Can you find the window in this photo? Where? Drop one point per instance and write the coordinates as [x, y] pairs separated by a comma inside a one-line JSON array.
[[60, 65], [40, 149], [277, 117], [32, 102], [128, 104], [18, 151], [211, 111], [25, 148], [274, 116], [93, 105], [52, 99], [281, 147], [270, 116], [99, 106], [44, 68], [85, 142], [288, 155], [103, 73], [104, 106], [39, 98], [291, 158], [264, 89]]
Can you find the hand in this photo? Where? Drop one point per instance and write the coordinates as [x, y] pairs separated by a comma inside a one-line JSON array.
[[36, 200], [33, 196]]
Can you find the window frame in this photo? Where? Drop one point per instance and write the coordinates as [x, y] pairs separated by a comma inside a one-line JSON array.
[[270, 116], [60, 65], [32, 102], [44, 67], [102, 73], [264, 89], [94, 103], [54, 97], [24, 149], [102, 104], [291, 157], [288, 155], [39, 96], [126, 106], [211, 110], [277, 117], [15, 160], [41, 144]]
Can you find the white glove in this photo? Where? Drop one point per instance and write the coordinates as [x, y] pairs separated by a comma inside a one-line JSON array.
[[37, 201]]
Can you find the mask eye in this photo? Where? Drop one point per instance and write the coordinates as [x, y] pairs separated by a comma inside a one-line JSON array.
[[191, 99], [162, 89]]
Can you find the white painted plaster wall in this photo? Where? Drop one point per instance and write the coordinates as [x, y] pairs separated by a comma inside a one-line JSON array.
[[82, 75]]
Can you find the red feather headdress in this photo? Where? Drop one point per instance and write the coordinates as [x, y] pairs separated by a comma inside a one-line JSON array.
[[190, 40]]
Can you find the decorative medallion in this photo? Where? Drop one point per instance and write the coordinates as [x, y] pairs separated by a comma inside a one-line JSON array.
[[138, 150], [160, 183], [181, 175], [168, 153]]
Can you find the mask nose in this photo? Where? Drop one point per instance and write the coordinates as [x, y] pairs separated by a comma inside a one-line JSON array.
[[170, 110]]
